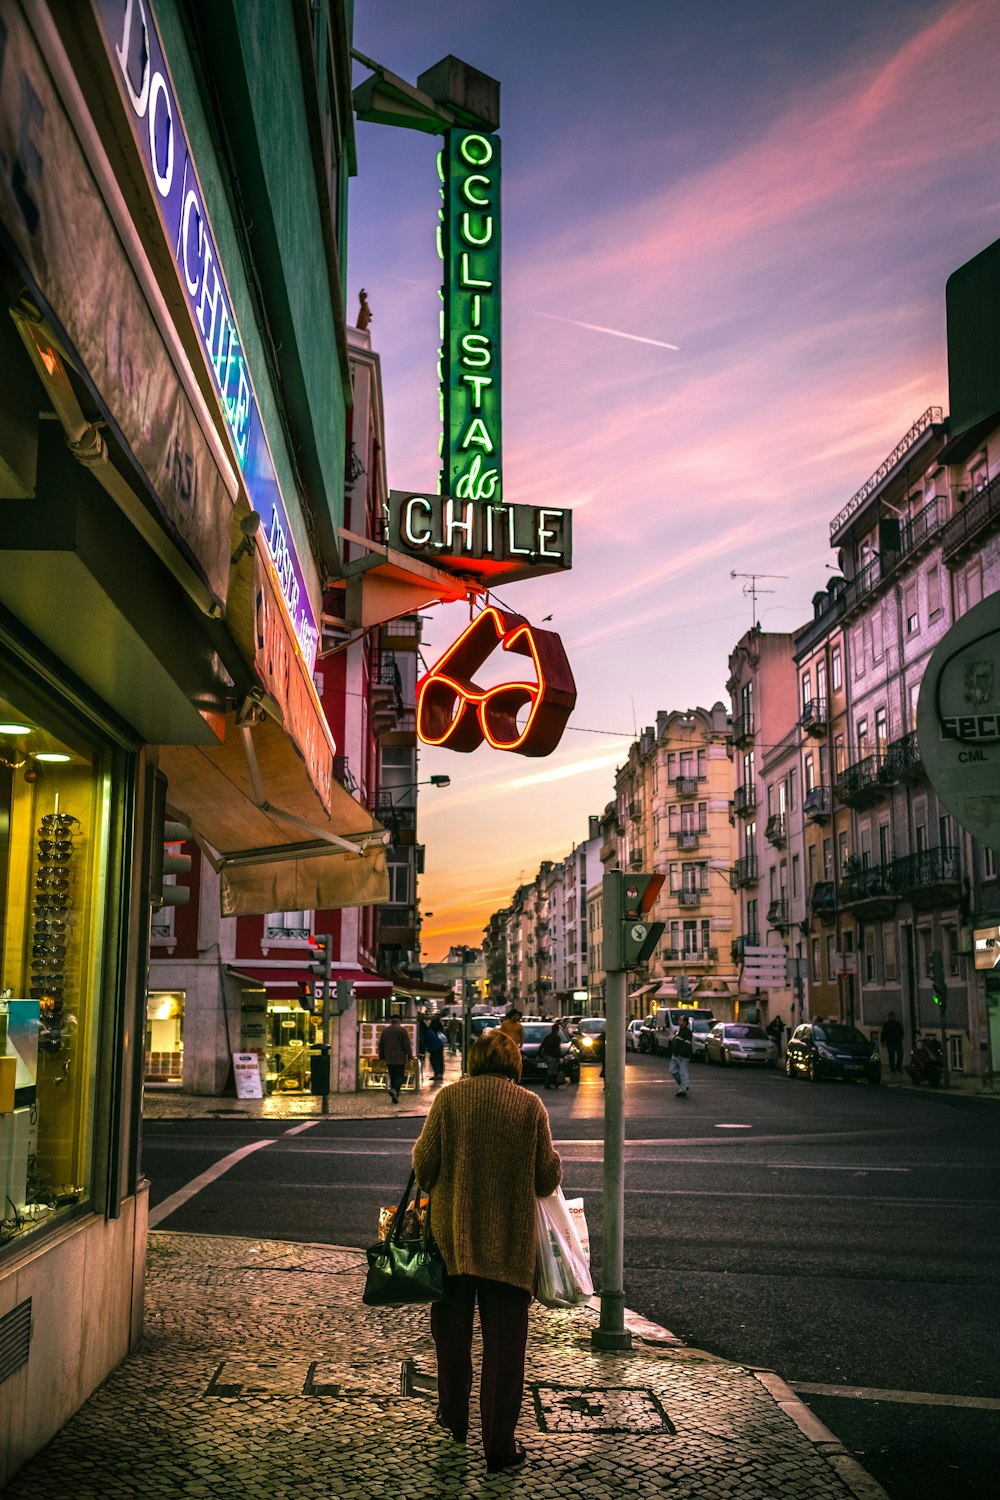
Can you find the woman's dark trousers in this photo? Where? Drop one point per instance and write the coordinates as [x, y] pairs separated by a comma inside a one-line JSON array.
[[503, 1318]]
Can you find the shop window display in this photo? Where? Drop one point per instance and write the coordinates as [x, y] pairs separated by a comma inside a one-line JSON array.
[[55, 796]]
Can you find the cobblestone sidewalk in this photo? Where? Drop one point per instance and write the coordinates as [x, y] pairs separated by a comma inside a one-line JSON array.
[[263, 1375]]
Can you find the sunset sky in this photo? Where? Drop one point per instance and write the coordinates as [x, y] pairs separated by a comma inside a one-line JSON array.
[[780, 190]]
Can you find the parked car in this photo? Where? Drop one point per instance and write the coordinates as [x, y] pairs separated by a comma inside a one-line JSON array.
[[740, 1041], [589, 1040], [569, 1024], [632, 1035], [700, 1028], [832, 1050], [658, 1028], [532, 1066], [479, 1024]]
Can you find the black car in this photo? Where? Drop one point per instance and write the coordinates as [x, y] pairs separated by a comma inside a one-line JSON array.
[[533, 1066], [589, 1039], [832, 1050]]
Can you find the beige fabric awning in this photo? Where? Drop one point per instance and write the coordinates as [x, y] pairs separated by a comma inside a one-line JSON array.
[[262, 825]]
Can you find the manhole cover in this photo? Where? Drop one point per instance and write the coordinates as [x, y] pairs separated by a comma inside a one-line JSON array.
[[574, 1408]]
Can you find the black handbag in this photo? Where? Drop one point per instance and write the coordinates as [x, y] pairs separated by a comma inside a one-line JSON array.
[[402, 1272]]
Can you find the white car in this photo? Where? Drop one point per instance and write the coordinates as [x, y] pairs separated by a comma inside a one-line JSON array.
[[632, 1035]]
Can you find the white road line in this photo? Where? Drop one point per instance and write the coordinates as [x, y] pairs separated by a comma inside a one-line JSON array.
[[177, 1200], [298, 1129], [910, 1398]]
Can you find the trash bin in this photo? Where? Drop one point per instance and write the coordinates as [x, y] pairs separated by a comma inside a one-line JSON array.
[[319, 1070]]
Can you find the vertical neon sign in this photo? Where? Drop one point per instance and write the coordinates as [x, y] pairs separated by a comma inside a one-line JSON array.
[[469, 244]]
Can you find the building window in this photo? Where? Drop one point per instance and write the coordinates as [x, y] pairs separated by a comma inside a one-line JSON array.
[[933, 591], [827, 859], [842, 851], [817, 974], [810, 774], [836, 669], [878, 639], [862, 738], [956, 1054], [806, 689], [881, 732], [795, 874], [974, 583], [889, 969], [858, 651], [910, 609], [811, 864], [839, 761], [821, 680], [829, 958], [989, 864]]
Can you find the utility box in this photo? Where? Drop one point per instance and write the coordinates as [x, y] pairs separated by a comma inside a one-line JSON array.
[[319, 1070], [472, 94]]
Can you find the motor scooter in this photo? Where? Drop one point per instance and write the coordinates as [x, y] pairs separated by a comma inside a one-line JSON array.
[[926, 1064]]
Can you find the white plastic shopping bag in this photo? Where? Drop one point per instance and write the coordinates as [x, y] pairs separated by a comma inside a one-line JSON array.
[[562, 1265], [575, 1207]]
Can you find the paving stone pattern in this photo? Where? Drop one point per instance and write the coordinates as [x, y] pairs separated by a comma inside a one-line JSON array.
[[263, 1375]]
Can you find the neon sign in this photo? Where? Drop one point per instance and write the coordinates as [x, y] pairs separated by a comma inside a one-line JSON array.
[[453, 711], [499, 543], [469, 245]]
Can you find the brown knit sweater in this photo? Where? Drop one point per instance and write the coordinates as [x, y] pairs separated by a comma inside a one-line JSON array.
[[484, 1154]]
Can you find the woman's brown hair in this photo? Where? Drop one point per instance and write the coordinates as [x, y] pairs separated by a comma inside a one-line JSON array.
[[495, 1052]]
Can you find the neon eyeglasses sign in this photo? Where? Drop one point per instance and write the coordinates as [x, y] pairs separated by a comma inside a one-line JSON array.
[[469, 245], [453, 711]]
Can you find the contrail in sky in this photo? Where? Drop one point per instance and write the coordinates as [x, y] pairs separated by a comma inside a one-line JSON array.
[[615, 332]]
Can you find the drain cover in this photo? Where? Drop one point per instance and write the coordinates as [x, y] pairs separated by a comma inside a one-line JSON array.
[[574, 1408]]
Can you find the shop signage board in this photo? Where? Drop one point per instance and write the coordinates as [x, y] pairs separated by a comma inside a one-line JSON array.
[[986, 947], [491, 543], [246, 1070], [958, 721], [151, 102], [765, 967], [469, 245]]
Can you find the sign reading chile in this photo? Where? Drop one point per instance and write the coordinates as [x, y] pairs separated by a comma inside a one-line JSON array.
[[135, 46]]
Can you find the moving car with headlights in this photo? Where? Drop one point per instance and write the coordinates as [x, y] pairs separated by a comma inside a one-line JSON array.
[[731, 1042], [533, 1067], [832, 1050], [589, 1040], [659, 1028]]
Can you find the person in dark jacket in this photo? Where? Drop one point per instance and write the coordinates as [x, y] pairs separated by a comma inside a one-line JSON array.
[[892, 1041], [776, 1031], [681, 1053], [395, 1050], [550, 1051], [436, 1040]]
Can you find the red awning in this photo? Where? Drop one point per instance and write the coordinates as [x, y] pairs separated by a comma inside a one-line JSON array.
[[284, 981]]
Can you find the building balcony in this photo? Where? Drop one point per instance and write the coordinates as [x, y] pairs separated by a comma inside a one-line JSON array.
[[929, 878], [744, 872], [776, 831], [397, 926], [689, 838], [817, 804], [742, 730], [869, 889], [964, 530], [635, 860], [689, 896], [814, 716], [691, 955], [861, 783], [635, 811], [902, 760], [779, 915], [686, 786], [823, 901], [745, 940], [744, 799], [609, 850], [400, 822], [342, 773]]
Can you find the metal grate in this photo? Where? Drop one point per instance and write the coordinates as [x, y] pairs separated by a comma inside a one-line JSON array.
[[15, 1335]]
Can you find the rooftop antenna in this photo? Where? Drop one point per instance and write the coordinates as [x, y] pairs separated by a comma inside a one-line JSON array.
[[750, 592]]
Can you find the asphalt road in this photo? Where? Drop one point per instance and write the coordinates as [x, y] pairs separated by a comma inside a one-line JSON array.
[[840, 1234]]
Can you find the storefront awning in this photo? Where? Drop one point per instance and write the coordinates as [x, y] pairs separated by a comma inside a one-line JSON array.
[[644, 989], [285, 981], [259, 821]]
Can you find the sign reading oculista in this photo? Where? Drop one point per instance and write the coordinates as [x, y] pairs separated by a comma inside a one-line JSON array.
[[135, 46], [469, 166]]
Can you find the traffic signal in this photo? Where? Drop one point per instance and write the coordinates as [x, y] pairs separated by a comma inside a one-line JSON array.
[[165, 857], [935, 972], [322, 968], [342, 996], [630, 939], [307, 994]]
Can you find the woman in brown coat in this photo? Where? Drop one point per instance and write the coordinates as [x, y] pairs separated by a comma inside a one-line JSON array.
[[484, 1154]]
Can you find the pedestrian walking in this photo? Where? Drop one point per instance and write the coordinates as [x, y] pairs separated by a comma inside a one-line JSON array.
[[892, 1040], [484, 1154], [776, 1031], [436, 1041], [681, 1053], [550, 1051], [454, 1029], [511, 1026], [395, 1049], [422, 1037]]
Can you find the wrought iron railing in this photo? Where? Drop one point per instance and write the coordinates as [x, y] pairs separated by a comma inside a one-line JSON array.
[[779, 914], [977, 512], [817, 802], [742, 728], [931, 867], [744, 797], [776, 830], [931, 417], [814, 715], [745, 870], [858, 779], [686, 786]]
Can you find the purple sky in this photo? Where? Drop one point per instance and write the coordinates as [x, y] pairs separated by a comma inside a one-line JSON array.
[[781, 190]]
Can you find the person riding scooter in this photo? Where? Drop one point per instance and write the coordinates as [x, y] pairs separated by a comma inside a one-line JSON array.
[[926, 1064]]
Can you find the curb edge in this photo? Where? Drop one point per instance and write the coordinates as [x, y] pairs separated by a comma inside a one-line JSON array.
[[854, 1475]]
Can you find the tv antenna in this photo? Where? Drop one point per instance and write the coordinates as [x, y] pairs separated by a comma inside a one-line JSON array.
[[750, 591]]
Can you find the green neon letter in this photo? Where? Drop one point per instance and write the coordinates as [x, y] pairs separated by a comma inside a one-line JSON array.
[[477, 434], [477, 382], [469, 237], [475, 350], [465, 277], [470, 196], [476, 150]]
